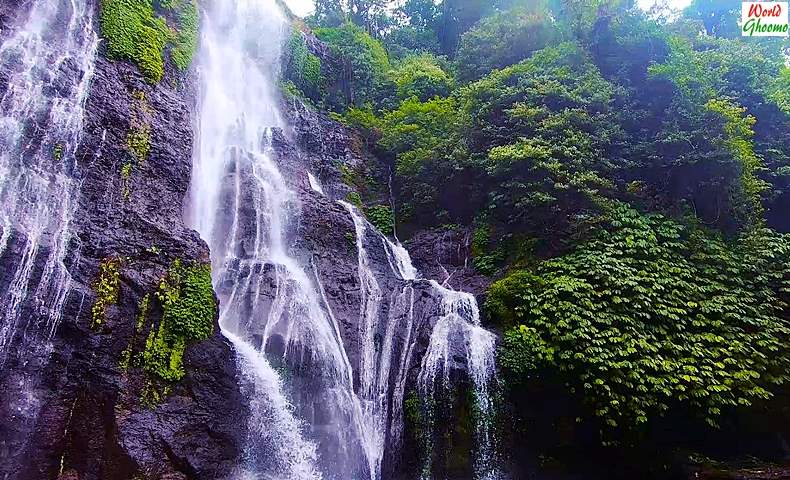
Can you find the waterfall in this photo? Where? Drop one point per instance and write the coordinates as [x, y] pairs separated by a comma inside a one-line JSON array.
[[313, 413], [459, 323], [46, 65], [271, 309]]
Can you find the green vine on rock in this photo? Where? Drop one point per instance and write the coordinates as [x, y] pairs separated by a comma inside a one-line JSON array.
[[738, 141], [134, 31], [138, 138], [106, 286], [188, 311], [186, 39], [381, 217]]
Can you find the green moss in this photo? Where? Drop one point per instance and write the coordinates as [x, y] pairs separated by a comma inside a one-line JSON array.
[[188, 311], [134, 32], [57, 151], [138, 141], [382, 218], [106, 286], [355, 199], [126, 172], [186, 40], [138, 138]]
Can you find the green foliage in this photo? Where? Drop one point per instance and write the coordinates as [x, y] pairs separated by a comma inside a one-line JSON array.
[[422, 77], [138, 138], [719, 18], [138, 141], [142, 319], [106, 286], [57, 152], [485, 259], [354, 199], [368, 59], [779, 91], [424, 138], [650, 316], [188, 312], [544, 126], [185, 42], [126, 173], [405, 41], [381, 217], [134, 32], [738, 135], [504, 39], [303, 68], [363, 120]]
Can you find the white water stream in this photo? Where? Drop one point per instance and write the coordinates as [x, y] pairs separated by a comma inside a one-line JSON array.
[[314, 415], [47, 63]]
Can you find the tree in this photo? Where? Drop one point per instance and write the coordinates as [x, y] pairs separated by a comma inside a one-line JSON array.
[[504, 39]]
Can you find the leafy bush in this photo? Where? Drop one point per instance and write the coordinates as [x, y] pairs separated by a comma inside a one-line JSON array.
[[381, 217], [304, 69], [650, 316], [422, 77], [368, 59], [503, 39]]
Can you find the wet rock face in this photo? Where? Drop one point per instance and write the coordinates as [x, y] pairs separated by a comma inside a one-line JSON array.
[[325, 239], [445, 256], [90, 421]]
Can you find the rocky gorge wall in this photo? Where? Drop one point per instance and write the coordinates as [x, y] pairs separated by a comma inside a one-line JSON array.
[[94, 414], [97, 403]]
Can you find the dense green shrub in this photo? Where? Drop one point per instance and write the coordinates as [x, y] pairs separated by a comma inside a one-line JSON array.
[[368, 59], [405, 41], [381, 217], [188, 312], [134, 32], [650, 316], [422, 77], [304, 69], [503, 39], [544, 126]]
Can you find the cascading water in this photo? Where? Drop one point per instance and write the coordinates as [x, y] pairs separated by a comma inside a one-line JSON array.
[[313, 413], [458, 324], [243, 206], [46, 66]]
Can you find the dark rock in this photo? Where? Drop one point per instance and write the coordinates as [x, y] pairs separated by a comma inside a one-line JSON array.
[[84, 417]]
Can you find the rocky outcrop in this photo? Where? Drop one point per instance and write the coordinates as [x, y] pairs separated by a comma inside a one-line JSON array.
[[93, 419], [325, 239]]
